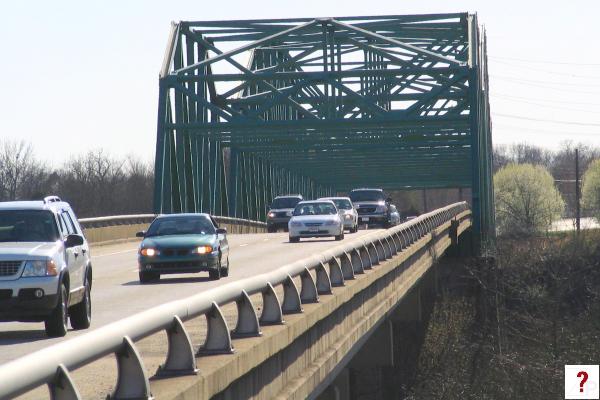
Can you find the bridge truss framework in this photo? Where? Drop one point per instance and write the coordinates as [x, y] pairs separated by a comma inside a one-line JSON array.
[[255, 108]]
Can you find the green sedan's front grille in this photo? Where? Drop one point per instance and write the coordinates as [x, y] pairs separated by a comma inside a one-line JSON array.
[[175, 252]]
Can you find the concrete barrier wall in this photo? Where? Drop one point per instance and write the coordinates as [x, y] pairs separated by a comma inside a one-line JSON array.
[[110, 233]]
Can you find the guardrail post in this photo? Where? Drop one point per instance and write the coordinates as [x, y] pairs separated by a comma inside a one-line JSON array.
[[386, 251], [62, 387], [308, 291], [132, 381], [272, 314], [291, 297], [365, 258], [358, 267], [218, 338], [323, 280], [336, 276], [247, 321], [394, 243], [347, 266], [180, 354], [374, 254]]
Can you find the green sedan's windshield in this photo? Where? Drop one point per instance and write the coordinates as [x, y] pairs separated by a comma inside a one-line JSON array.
[[199, 225]]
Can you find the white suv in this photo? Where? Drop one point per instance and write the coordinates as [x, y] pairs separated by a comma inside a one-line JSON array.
[[45, 268]]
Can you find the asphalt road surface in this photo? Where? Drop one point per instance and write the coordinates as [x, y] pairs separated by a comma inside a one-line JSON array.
[[117, 293]]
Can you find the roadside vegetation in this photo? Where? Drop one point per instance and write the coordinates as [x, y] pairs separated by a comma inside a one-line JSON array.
[[513, 321], [591, 190], [527, 200]]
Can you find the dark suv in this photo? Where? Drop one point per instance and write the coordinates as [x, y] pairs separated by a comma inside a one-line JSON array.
[[372, 206], [280, 211]]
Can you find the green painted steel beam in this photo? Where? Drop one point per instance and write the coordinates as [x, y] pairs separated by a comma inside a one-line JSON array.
[[250, 109]]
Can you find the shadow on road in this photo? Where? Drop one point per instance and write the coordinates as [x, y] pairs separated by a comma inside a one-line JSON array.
[[18, 337], [167, 281]]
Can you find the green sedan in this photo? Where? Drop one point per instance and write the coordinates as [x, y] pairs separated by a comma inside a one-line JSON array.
[[183, 243]]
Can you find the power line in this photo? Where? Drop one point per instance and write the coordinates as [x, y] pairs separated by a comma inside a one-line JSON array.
[[551, 87], [547, 106], [516, 78], [552, 121], [548, 71], [551, 132], [544, 62], [545, 100]]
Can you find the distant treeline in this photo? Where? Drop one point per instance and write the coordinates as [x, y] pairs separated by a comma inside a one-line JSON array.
[[98, 184], [94, 183]]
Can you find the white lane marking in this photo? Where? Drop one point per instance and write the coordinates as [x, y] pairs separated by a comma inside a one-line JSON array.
[[244, 245], [265, 240], [115, 253], [135, 270]]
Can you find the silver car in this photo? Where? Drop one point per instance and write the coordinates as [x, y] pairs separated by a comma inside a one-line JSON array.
[[45, 268], [315, 219], [347, 212]]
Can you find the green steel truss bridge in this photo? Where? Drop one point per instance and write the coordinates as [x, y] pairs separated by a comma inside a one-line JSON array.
[[255, 108]]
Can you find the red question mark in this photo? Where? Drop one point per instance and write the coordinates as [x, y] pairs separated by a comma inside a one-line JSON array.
[[583, 380]]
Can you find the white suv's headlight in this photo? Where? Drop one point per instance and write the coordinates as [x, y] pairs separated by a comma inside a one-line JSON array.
[[295, 223], [39, 268], [348, 216], [331, 222]]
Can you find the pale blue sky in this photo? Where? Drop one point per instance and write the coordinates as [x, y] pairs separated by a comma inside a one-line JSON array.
[[76, 75]]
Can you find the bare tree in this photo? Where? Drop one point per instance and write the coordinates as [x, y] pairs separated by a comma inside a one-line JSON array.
[[93, 182], [22, 176]]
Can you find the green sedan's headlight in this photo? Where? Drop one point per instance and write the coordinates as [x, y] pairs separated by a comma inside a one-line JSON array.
[[203, 249], [149, 252]]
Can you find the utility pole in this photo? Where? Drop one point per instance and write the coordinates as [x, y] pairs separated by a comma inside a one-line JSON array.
[[577, 193]]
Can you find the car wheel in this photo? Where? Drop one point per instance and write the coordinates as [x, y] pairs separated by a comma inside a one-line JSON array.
[[147, 277], [225, 271], [294, 239], [215, 274], [56, 323], [271, 229], [81, 314], [340, 236]]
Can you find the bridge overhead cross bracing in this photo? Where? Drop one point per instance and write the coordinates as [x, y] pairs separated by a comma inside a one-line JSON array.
[[254, 108]]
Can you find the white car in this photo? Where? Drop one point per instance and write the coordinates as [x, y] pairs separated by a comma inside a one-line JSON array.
[[347, 212], [45, 266], [315, 219]]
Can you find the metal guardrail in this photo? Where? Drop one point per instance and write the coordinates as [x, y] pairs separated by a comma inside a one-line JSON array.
[[331, 268], [115, 220]]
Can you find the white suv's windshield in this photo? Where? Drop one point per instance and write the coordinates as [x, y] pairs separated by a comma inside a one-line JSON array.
[[27, 226], [366, 195], [181, 226], [315, 209]]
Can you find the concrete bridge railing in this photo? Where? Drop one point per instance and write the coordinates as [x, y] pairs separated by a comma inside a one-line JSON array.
[[341, 295], [124, 227]]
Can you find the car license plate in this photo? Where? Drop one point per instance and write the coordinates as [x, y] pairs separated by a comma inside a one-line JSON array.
[[314, 229], [364, 219]]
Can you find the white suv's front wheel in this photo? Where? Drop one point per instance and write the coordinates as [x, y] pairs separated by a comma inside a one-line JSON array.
[[81, 314], [56, 323]]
